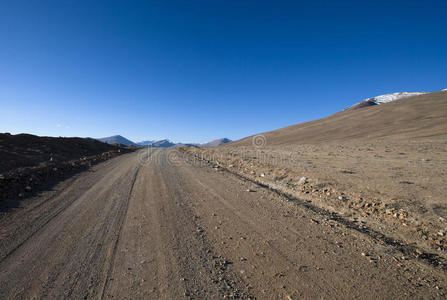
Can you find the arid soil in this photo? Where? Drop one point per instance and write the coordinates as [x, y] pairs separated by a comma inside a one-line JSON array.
[[164, 224]]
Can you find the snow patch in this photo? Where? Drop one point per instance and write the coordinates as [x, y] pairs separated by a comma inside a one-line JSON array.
[[393, 97]]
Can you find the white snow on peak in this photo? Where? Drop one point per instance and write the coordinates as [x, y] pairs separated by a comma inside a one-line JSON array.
[[443, 90], [393, 96]]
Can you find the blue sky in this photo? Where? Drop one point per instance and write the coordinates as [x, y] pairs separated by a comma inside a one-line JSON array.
[[193, 71]]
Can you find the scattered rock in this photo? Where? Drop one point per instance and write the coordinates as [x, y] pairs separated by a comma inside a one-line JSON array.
[[419, 252], [302, 180]]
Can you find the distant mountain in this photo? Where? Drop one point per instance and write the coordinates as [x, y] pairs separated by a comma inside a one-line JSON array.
[[186, 145], [384, 99], [117, 139], [163, 144], [145, 143], [216, 143]]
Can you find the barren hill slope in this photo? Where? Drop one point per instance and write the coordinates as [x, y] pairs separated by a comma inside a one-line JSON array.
[[414, 117]]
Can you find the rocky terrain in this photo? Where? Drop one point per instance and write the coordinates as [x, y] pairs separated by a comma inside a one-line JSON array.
[[27, 162]]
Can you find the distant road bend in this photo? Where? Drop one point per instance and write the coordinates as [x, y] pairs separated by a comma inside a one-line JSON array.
[[164, 230]]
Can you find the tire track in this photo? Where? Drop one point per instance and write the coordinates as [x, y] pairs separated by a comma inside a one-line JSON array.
[[122, 218]]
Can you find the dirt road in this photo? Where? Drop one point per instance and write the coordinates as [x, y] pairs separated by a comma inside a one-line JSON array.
[[149, 225]]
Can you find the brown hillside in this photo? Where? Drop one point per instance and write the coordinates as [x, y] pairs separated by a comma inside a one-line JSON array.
[[415, 117]]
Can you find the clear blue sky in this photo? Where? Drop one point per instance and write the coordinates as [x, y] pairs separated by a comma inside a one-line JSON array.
[[193, 71]]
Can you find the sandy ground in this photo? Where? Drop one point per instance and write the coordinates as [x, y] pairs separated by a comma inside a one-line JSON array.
[[156, 225]]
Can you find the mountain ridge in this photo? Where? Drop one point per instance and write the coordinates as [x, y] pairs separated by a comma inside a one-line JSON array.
[[217, 142], [164, 143], [117, 139]]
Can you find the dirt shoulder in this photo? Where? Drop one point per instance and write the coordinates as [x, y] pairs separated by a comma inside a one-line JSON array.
[[395, 188]]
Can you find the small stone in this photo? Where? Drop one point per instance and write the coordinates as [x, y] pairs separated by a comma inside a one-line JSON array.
[[262, 175], [302, 180], [28, 188]]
